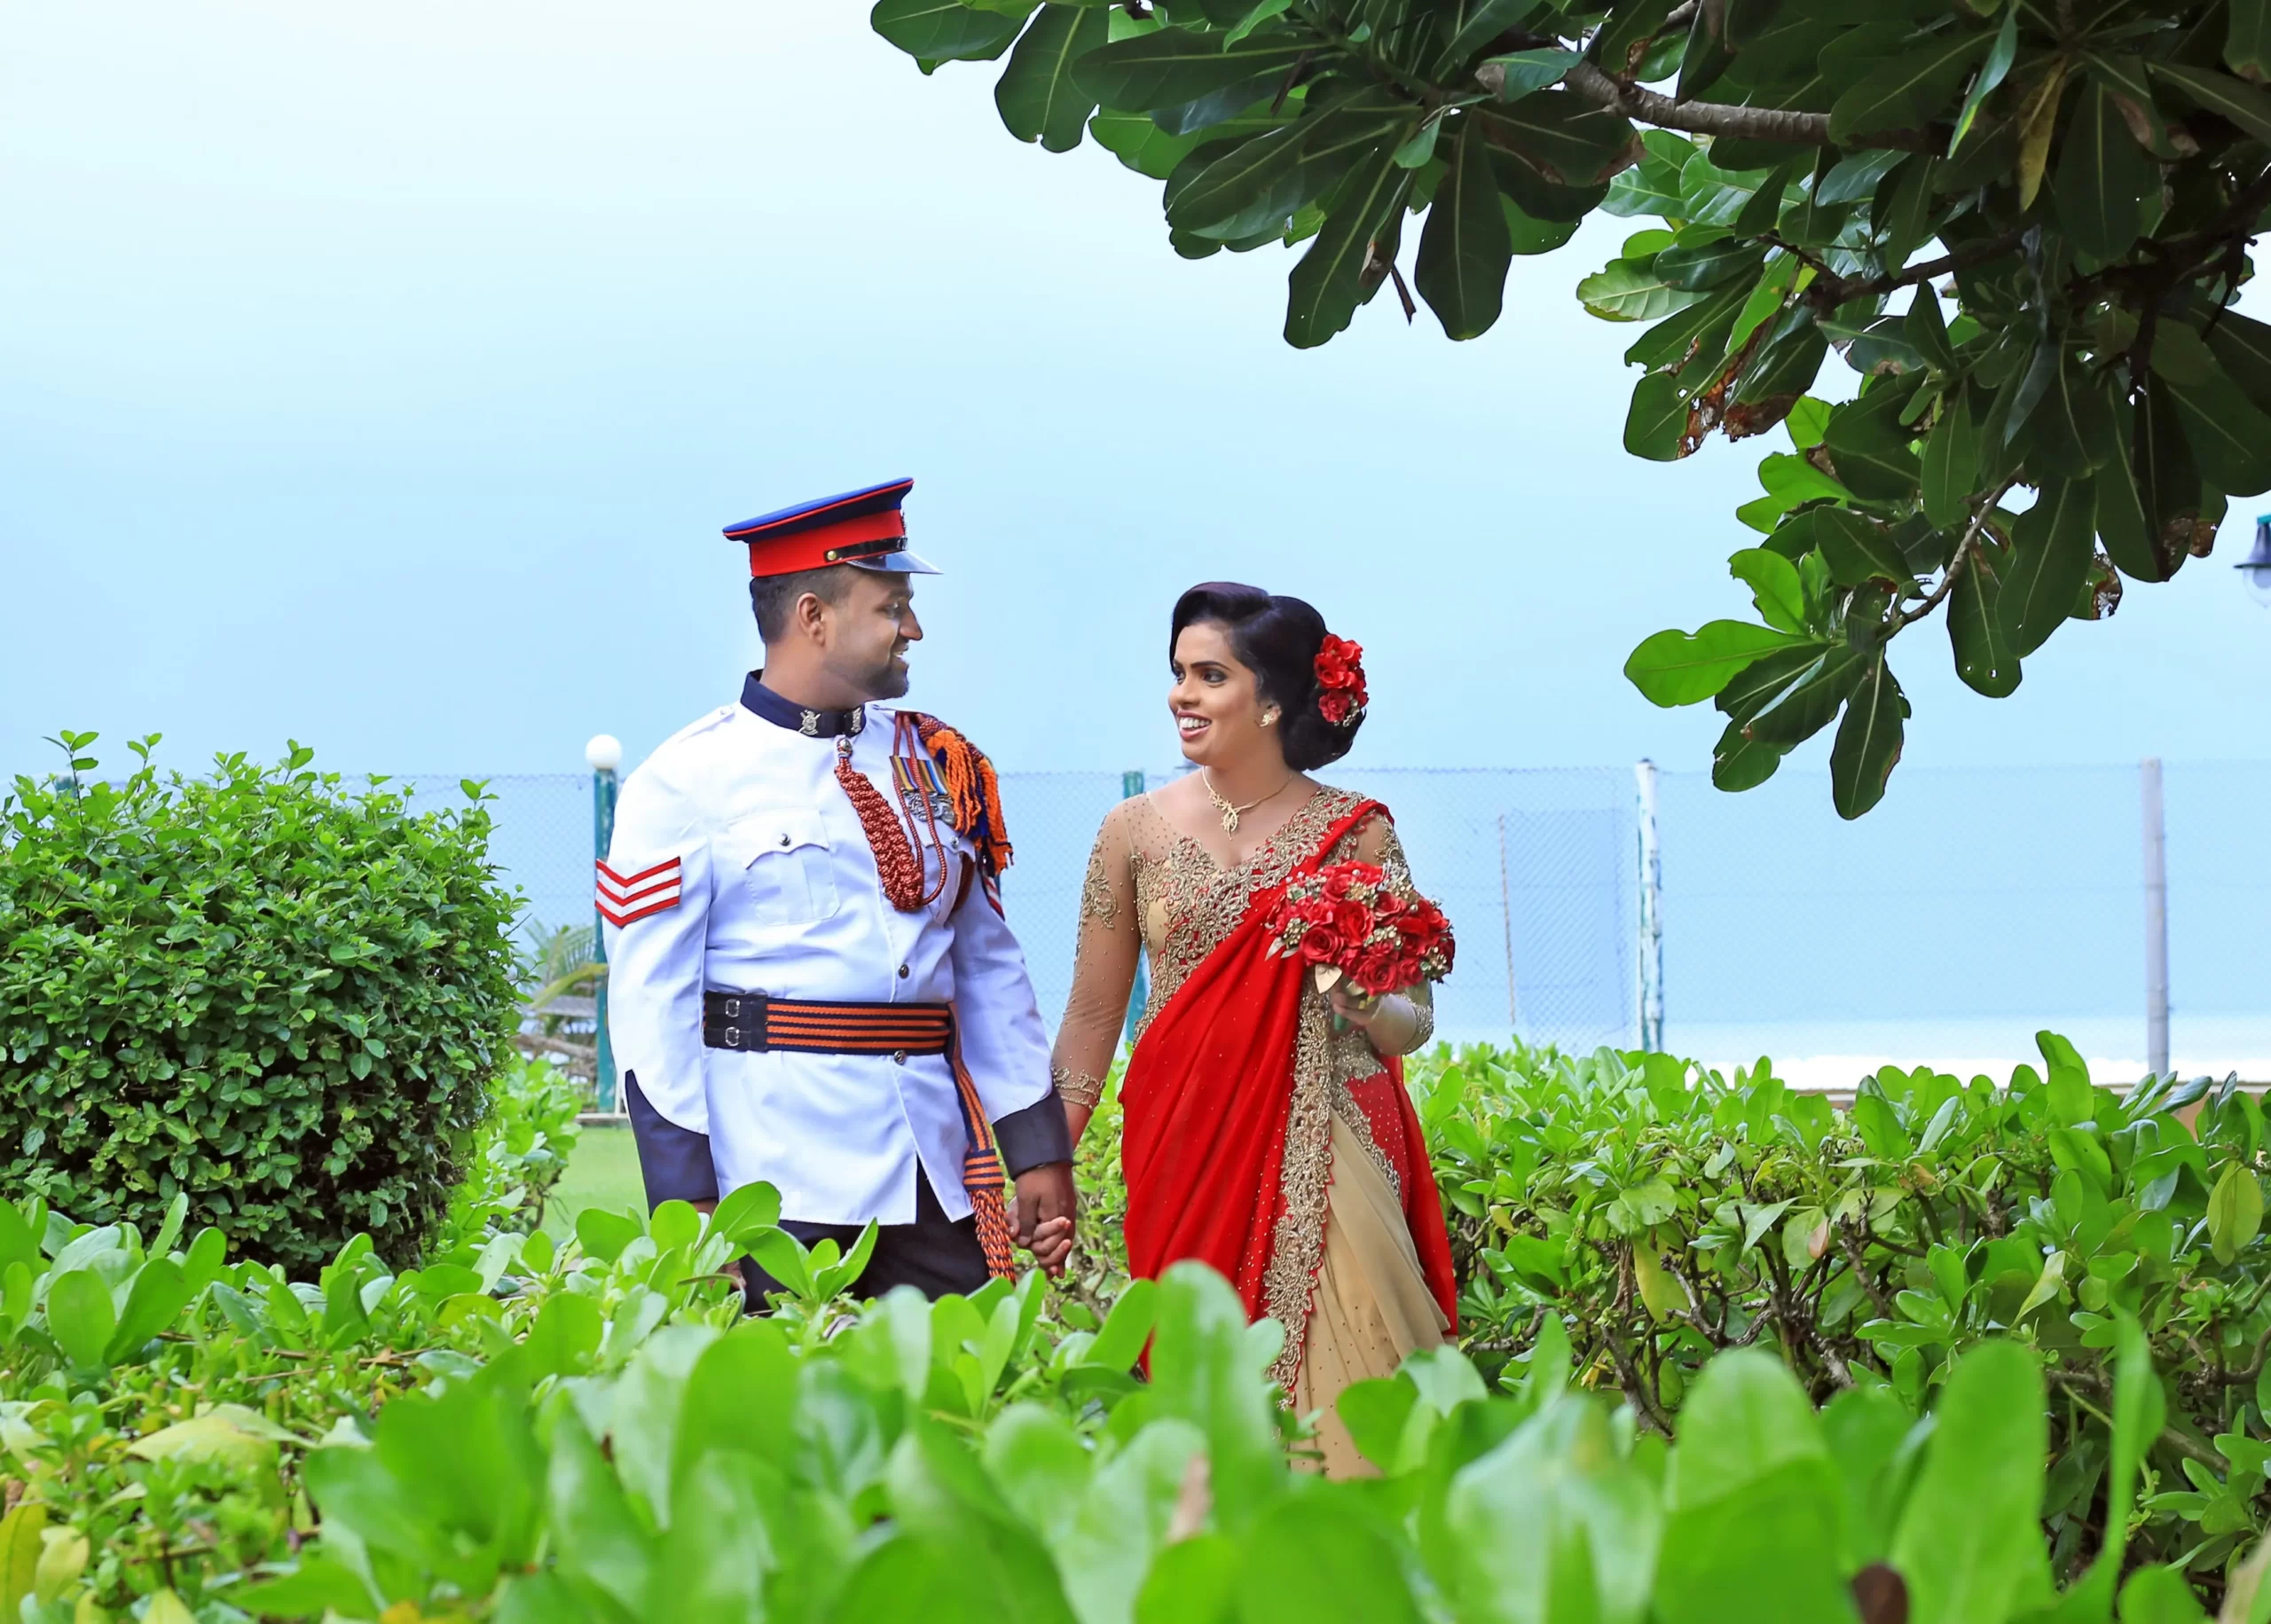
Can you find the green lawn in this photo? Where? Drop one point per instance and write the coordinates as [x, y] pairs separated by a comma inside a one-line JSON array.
[[602, 1173]]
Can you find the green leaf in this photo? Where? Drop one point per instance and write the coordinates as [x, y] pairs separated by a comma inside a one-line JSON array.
[[1314, 1557], [1680, 668], [2234, 1211], [2102, 176], [1326, 286], [603, 1234], [2050, 559], [1811, 703], [1985, 658], [1172, 67], [1969, 1544], [79, 1316], [1858, 549], [1035, 94], [1527, 71], [1652, 186], [945, 30], [2229, 437], [1908, 90], [1630, 290], [1256, 185], [1753, 1526], [1465, 251], [1555, 1523], [1773, 582], [1869, 446], [160, 1293], [1141, 145], [1562, 138], [1707, 264], [2222, 95], [1991, 74], [20, 1551], [1868, 741], [1950, 462], [1657, 426]]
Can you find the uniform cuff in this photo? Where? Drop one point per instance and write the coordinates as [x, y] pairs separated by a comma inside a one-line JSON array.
[[1035, 1136], [674, 1161]]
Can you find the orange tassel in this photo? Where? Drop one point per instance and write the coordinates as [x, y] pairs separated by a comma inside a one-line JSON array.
[[973, 788]]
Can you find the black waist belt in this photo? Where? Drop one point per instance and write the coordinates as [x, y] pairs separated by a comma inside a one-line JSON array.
[[757, 1024]]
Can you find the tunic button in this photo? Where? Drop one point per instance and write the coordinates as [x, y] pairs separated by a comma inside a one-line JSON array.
[[903, 972], [898, 1057]]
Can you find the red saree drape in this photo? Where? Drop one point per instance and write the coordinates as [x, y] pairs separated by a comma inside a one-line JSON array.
[[1206, 1101]]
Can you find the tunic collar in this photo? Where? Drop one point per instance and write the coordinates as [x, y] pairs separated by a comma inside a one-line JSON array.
[[762, 701]]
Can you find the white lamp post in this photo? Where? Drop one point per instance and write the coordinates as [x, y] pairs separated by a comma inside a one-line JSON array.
[[603, 754]]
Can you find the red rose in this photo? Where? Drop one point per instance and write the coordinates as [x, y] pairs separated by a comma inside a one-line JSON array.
[[1376, 972], [1321, 945], [1333, 705], [1352, 920], [1338, 880]]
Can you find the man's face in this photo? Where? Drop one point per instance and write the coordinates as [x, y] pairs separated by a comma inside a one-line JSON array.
[[868, 631]]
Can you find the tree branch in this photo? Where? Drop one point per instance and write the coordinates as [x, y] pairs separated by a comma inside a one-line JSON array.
[[1964, 548], [1705, 118]]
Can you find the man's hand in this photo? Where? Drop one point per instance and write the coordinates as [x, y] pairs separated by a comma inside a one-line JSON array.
[[1046, 1204]]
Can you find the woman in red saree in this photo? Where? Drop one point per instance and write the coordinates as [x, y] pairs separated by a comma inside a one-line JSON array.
[[1267, 1131]]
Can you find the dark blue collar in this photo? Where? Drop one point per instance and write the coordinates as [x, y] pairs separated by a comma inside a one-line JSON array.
[[761, 700]]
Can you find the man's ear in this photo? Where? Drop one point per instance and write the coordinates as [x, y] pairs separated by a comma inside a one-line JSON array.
[[808, 618]]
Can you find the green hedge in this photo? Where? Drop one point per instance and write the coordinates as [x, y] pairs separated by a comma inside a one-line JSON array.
[[253, 989], [1662, 1214], [590, 1433]]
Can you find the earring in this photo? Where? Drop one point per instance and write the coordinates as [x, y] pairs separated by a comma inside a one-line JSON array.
[[1269, 717]]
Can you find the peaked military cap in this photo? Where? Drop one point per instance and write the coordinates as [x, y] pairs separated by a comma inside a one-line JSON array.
[[863, 528]]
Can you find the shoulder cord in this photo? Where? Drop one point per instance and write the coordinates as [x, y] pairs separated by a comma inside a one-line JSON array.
[[897, 865]]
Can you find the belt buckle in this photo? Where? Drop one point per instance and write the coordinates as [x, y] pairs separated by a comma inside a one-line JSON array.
[[747, 1013]]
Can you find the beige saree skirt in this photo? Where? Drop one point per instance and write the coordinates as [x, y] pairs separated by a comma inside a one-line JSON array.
[[1372, 1306]]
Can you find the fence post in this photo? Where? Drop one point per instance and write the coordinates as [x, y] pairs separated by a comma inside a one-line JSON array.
[[2156, 920], [1132, 784], [1507, 918], [1651, 912], [604, 754]]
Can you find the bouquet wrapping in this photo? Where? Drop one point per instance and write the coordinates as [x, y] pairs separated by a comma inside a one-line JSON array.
[[1345, 922]]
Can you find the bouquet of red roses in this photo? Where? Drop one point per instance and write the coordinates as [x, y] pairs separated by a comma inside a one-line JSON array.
[[1344, 921]]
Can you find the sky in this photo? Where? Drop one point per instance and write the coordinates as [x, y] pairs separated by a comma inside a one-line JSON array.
[[381, 377]]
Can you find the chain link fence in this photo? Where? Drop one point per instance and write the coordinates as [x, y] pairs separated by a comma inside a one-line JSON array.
[[1971, 908]]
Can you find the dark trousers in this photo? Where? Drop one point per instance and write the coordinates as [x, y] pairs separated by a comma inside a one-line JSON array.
[[935, 1254]]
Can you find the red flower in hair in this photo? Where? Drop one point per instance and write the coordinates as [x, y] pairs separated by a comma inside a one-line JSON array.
[[1341, 696]]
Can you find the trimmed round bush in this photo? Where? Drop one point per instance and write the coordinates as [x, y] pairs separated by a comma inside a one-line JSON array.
[[256, 988]]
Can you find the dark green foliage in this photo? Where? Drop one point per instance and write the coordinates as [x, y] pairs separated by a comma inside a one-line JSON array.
[[2088, 180], [280, 999]]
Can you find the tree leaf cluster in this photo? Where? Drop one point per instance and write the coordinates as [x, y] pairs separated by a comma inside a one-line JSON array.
[[1663, 1214], [2022, 226], [257, 989]]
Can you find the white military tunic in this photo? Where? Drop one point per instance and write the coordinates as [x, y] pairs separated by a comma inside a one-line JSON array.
[[739, 864]]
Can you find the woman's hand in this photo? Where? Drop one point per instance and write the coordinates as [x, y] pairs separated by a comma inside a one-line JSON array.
[[1388, 1020], [1359, 1010]]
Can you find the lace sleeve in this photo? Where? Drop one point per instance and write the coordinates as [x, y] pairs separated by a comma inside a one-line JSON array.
[[1103, 966], [1376, 842]]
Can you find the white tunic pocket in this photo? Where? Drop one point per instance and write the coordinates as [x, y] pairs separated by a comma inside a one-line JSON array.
[[785, 859]]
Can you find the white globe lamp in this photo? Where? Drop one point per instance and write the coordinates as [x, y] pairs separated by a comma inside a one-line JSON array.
[[604, 753]]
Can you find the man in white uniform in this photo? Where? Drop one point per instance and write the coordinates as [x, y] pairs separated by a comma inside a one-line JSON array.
[[811, 981]]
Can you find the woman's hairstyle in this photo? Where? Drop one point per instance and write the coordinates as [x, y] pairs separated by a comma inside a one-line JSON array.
[[1279, 640]]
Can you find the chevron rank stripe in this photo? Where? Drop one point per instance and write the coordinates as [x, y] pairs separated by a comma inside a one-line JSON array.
[[625, 897]]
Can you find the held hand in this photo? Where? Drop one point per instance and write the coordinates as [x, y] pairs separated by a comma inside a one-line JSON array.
[[1354, 1007], [1046, 1203]]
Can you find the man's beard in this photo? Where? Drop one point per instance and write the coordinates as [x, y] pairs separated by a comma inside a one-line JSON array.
[[888, 680]]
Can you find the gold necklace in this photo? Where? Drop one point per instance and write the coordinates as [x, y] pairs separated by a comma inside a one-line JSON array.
[[1230, 812]]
